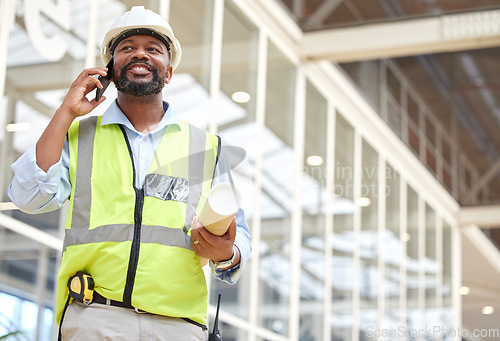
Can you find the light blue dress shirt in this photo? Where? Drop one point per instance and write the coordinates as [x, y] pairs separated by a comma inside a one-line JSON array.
[[34, 191]]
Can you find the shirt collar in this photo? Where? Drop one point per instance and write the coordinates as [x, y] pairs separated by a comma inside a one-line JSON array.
[[114, 115]]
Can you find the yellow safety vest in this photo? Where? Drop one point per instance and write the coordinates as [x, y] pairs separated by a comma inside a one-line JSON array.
[[135, 242]]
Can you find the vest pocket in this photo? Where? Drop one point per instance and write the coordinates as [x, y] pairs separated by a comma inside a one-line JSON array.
[[165, 187]]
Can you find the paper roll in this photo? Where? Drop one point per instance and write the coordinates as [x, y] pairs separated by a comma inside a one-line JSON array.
[[222, 204]]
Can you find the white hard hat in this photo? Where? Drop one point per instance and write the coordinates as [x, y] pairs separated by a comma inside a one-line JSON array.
[[141, 21]]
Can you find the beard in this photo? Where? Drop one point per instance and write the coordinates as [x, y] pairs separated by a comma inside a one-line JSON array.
[[138, 89]]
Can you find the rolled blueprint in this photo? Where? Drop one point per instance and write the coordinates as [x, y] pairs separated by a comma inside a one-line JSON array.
[[220, 208]]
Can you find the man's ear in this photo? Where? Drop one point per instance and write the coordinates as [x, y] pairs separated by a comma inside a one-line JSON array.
[[170, 70]]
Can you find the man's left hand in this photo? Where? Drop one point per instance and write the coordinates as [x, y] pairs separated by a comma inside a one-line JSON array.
[[208, 245]]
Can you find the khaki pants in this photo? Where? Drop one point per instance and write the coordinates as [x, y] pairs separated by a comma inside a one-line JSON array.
[[104, 322]]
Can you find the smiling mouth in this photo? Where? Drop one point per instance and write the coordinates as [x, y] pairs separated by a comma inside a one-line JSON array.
[[139, 69]]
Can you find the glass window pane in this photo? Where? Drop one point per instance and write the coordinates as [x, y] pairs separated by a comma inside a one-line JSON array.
[[20, 272], [313, 223], [189, 88], [412, 261], [431, 269], [237, 129], [343, 241], [392, 249], [368, 202], [447, 314], [277, 193]]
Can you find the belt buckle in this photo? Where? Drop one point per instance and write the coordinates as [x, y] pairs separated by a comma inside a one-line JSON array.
[[138, 311]]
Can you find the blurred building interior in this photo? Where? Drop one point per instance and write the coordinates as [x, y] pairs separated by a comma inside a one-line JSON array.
[[372, 178]]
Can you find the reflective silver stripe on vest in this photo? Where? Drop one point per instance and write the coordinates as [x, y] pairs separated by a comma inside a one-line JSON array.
[[196, 169], [81, 201], [125, 232]]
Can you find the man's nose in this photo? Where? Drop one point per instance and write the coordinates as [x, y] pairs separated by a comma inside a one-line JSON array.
[[140, 53]]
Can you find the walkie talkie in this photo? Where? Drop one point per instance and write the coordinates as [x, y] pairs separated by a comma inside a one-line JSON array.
[[215, 335]]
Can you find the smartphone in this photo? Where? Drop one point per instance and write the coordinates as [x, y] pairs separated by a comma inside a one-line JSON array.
[[105, 81]]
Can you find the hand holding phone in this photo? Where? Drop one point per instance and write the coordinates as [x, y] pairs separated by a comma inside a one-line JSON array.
[[105, 81]]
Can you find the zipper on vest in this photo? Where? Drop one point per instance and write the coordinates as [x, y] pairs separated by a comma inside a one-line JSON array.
[[134, 251], [136, 241]]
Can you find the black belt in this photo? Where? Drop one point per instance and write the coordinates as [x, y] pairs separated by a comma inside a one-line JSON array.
[[98, 298]]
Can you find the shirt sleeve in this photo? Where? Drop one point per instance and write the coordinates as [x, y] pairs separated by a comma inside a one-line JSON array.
[[34, 191], [243, 239]]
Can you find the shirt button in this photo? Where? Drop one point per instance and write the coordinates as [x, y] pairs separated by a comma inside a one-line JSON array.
[[145, 139]]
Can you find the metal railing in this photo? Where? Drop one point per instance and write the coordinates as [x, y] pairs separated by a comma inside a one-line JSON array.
[[404, 110]]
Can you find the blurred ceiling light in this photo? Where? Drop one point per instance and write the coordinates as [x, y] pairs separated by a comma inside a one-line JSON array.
[[7, 206], [488, 310], [364, 202], [12, 127], [464, 290], [314, 160], [241, 97], [406, 237]]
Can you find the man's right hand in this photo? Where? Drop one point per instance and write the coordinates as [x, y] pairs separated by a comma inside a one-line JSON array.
[[76, 102], [49, 146]]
